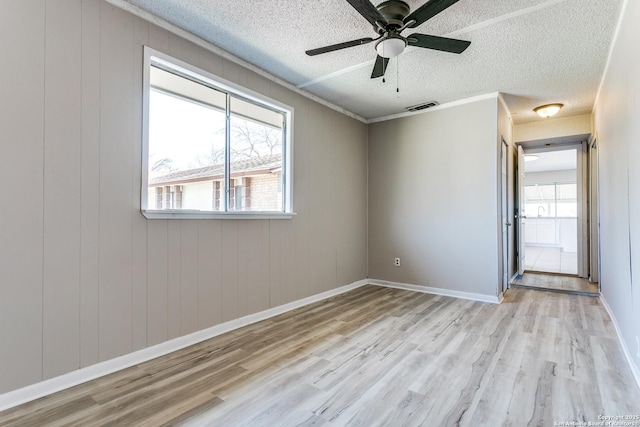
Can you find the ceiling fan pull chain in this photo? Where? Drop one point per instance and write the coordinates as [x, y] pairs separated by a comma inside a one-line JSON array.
[[397, 76], [384, 80]]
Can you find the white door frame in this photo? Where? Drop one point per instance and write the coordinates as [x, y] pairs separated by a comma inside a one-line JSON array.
[[582, 185], [582, 182], [521, 214], [505, 214]]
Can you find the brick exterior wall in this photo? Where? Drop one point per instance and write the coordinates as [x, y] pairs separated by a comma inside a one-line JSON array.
[[255, 193], [266, 192]]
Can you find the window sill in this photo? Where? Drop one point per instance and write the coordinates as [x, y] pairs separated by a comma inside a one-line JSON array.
[[185, 214]]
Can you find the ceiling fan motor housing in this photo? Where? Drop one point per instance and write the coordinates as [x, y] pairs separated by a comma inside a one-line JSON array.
[[394, 11]]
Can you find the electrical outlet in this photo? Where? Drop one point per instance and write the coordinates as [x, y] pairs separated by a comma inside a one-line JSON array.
[[396, 262]]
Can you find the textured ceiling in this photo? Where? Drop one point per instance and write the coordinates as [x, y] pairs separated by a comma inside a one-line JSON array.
[[533, 51]]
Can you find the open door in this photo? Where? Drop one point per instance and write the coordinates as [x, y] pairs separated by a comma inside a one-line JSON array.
[[521, 212]]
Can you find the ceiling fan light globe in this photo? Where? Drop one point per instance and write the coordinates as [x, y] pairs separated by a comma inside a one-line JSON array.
[[391, 47]]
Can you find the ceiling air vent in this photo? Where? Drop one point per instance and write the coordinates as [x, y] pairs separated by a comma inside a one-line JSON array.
[[423, 106]]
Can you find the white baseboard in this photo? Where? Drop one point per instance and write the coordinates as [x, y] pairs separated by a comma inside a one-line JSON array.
[[634, 369], [437, 291], [62, 382], [68, 380]]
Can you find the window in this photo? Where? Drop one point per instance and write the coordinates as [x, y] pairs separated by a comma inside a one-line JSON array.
[[211, 148], [551, 200]]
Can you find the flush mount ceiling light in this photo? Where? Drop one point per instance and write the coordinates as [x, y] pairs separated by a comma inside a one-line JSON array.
[[548, 110], [391, 46], [530, 157]]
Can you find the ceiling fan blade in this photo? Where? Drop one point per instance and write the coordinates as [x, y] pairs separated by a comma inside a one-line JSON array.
[[380, 67], [427, 11], [338, 46], [438, 43], [369, 11]]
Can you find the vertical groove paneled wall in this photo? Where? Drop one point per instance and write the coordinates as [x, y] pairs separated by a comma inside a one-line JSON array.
[[617, 133], [84, 277]]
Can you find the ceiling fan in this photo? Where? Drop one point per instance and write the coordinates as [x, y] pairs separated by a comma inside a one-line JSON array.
[[389, 19]]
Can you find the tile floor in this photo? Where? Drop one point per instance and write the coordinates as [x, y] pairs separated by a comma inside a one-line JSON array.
[[550, 260]]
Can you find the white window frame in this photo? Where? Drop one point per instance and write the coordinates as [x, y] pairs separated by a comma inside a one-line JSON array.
[[156, 58]]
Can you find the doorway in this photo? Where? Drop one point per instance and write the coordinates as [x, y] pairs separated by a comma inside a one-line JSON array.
[[553, 216], [551, 212]]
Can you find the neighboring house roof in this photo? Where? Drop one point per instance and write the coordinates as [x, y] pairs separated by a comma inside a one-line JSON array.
[[247, 167]]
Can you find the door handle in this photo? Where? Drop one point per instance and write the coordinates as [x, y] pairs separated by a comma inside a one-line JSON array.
[[508, 224]]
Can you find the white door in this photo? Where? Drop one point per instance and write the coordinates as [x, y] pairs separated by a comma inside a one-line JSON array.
[[521, 215]]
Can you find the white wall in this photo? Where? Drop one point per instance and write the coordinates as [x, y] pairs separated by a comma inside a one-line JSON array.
[[617, 130], [433, 198], [84, 276], [552, 128]]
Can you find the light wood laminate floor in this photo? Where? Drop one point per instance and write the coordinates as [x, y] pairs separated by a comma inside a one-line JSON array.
[[556, 282], [374, 356]]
